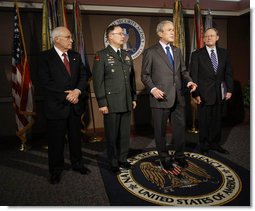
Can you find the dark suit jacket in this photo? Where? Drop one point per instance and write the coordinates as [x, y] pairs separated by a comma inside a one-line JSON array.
[[209, 83], [114, 80], [54, 80], [158, 72]]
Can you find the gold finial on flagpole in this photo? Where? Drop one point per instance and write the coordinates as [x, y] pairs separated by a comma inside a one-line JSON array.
[[24, 147]]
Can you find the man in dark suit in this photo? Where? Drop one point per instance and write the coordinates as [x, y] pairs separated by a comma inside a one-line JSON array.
[[62, 77], [114, 85], [211, 70], [163, 70]]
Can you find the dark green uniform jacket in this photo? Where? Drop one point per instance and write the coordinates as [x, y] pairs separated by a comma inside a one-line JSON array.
[[114, 80]]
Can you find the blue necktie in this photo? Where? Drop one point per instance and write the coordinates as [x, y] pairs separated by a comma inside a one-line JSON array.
[[214, 61], [169, 55]]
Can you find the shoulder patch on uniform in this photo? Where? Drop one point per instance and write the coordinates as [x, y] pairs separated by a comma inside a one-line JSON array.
[[97, 58]]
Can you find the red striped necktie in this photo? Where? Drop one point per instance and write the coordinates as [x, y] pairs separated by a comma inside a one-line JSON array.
[[66, 63]]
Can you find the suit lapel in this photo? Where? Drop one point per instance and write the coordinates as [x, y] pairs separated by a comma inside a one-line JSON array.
[[206, 58], [163, 55], [72, 61], [175, 55], [219, 54], [59, 63]]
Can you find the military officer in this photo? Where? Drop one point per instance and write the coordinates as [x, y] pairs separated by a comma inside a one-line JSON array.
[[114, 85]]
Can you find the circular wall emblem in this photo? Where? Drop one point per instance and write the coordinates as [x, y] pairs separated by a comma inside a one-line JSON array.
[[135, 38], [204, 182]]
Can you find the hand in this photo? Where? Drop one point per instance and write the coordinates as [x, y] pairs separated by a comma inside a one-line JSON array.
[[197, 100], [104, 110], [158, 94], [228, 95], [73, 95], [192, 86], [134, 104]]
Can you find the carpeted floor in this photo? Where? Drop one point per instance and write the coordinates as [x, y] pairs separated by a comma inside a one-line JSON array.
[[208, 180], [24, 174]]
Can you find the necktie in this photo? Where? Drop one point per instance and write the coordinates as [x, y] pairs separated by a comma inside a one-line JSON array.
[[66, 63], [214, 60], [119, 54], [169, 55]]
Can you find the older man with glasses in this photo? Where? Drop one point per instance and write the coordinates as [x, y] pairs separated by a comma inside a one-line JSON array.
[[114, 85], [62, 78]]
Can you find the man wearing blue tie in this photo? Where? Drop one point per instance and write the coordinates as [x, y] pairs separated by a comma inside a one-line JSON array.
[[211, 70], [163, 70]]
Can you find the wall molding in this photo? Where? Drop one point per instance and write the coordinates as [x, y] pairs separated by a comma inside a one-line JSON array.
[[140, 10]]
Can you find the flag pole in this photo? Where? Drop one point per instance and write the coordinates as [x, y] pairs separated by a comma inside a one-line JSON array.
[[94, 137], [20, 108], [197, 42], [194, 110]]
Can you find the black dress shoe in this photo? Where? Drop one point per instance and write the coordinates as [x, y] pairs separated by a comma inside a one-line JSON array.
[[167, 165], [182, 162], [219, 149], [82, 170], [204, 151], [222, 150], [55, 178], [115, 169], [125, 165]]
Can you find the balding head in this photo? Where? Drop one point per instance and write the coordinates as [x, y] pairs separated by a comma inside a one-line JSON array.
[[62, 38], [59, 31]]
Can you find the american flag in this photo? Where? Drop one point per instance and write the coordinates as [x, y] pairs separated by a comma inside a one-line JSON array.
[[22, 88]]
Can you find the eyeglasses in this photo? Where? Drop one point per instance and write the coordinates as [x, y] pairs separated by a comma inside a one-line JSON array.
[[120, 33], [207, 36], [68, 37]]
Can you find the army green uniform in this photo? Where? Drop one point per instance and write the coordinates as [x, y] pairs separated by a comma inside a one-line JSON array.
[[114, 86]]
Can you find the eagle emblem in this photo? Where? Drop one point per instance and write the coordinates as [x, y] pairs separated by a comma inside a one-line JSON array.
[[169, 181]]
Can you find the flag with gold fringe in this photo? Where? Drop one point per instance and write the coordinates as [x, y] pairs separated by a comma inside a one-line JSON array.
[[179, 28], [198, 27], [198, 31], [61, 12], [53, 15], [45, 27], [79, 44], [49, 22], [22, 88]]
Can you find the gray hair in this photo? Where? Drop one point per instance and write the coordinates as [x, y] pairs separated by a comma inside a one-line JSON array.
[[161, 25], [56, 32], [214, 29]]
